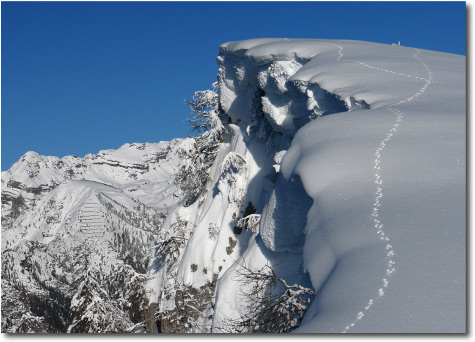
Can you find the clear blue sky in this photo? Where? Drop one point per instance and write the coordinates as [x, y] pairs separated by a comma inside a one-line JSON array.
[[78, 77]]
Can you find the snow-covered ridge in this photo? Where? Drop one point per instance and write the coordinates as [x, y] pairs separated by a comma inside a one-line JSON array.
[[383, 180], [305, 78], [139, 169]]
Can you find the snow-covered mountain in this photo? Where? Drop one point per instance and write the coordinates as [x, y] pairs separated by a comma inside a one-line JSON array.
[[326, 194], [59, 215]]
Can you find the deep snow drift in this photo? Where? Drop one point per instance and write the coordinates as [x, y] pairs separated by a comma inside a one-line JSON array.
[[340, 165], [384, 240]]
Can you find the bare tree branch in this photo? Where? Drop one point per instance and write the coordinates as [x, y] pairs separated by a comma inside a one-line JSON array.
[[270, 308]]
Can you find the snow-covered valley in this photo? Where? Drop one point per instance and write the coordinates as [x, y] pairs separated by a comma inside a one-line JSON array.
[[327, 194]]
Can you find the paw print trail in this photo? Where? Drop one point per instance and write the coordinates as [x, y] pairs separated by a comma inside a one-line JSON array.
[[378, 179], [428, 80]]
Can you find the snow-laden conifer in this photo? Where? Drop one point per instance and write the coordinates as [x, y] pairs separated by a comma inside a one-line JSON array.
[[199, 153]]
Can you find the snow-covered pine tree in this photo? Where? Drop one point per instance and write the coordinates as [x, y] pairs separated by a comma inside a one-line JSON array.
[[205, 110], [92, 310], [199, 153]]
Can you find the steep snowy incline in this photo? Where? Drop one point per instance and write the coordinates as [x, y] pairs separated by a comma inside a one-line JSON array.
[[384, 240]]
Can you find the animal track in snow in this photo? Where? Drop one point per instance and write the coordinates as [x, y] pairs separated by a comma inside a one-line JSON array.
[[378, 179], [340, 55]]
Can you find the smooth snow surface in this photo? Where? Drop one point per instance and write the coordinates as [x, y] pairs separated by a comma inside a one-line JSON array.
[[384, 242]]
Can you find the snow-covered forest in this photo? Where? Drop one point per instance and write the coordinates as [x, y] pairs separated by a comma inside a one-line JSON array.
[[323, 191]]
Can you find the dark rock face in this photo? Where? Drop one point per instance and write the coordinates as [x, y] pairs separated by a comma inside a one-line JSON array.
[[190, 305]]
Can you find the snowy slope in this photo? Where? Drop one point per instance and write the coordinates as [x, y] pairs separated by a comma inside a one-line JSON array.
[[384, 240]]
